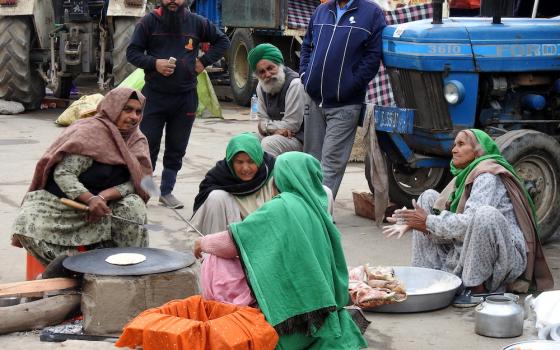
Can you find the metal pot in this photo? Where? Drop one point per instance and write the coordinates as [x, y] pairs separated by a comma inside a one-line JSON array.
[[499, 316], [9, 301]]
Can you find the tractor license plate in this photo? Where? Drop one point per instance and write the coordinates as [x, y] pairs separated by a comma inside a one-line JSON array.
[[394, 119]]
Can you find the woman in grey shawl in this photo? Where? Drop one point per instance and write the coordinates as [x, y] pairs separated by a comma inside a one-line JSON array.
[[482, 227]]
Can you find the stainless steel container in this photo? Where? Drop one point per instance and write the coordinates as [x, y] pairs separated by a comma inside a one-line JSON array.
[[499, 316], [426, 289], [9, 301]]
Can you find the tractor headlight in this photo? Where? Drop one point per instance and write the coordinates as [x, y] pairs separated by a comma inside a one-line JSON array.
[[454, 92]]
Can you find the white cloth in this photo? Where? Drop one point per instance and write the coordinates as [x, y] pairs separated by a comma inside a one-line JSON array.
[[378, 167]]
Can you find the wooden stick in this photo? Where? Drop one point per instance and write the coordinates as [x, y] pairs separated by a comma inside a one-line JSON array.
[[38, 314], [27, 288], [74, 204]]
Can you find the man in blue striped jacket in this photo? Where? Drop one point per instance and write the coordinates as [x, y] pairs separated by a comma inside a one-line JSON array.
[[340, 55]]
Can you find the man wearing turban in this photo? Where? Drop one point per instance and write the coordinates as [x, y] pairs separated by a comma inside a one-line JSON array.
[[281, 102]]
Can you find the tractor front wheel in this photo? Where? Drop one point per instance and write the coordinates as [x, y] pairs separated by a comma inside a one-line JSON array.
[[406, 183], [535, 157]]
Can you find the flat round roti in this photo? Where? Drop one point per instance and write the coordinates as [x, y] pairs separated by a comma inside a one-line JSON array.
[[125, 259]]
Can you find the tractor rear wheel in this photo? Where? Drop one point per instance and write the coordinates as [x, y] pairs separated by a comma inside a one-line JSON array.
[[124, 28], [19, 80], [535, 157], [406, 184]]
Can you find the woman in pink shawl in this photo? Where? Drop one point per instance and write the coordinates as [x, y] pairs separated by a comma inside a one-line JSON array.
[[99, 162]]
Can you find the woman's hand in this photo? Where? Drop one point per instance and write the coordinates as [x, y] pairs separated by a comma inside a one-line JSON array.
[[414, 218], [97, 209], [395, 230], [197, 250]]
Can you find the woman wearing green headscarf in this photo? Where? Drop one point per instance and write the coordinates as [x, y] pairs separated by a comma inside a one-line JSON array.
[[230, 191], [482, 227], [236, 185], [293, 259]]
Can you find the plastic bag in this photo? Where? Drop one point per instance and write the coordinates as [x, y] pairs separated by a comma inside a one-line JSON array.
[[546, 307], [135, 80], [207, 99], [86, 106]]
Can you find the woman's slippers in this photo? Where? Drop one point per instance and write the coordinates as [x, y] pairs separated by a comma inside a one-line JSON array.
[[465, 299]]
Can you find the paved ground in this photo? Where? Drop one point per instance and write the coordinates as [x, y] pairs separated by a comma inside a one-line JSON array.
[[23, 138]]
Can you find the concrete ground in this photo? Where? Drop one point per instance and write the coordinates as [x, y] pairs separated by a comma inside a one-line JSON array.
[[23, 139]]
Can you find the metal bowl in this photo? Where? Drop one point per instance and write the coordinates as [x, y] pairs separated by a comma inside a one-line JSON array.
[[534, 345], [9, 301], [426, 289], [550, 332]]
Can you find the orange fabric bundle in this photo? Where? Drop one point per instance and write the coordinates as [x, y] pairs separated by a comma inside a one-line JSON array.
[[465, 4], [198, 324]]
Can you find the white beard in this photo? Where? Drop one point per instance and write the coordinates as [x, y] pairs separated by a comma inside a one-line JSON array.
[[274, 84]]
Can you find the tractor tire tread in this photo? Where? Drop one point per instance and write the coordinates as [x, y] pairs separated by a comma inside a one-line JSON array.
[[17, 81], [124, 29]]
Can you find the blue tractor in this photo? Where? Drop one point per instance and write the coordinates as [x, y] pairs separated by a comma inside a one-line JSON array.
[[499, 75]]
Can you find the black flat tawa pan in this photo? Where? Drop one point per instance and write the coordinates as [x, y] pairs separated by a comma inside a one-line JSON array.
[[157, 261]]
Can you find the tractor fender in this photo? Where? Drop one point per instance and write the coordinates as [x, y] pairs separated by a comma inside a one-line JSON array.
[[126, 8], [41, 11]]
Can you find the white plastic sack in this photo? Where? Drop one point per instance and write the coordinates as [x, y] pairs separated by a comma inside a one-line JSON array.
[[10, 107], [84, 107], [546, 308]]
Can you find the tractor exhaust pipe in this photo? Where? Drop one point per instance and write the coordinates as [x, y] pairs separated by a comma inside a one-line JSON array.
[[437, 6], [496, 9]]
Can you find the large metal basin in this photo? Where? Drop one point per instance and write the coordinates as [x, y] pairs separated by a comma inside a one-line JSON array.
[[534, 345], [426, 289]]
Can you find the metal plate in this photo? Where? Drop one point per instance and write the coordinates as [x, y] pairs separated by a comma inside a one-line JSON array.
[[417, 281], [157, 261], [394, 119], [534, 345]]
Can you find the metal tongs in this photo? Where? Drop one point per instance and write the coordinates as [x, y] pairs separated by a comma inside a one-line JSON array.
[[83, 207], [148, 184]]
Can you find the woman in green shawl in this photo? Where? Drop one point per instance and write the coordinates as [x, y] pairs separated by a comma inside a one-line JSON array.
[[235, 186], [292, 256], [482, 227]]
